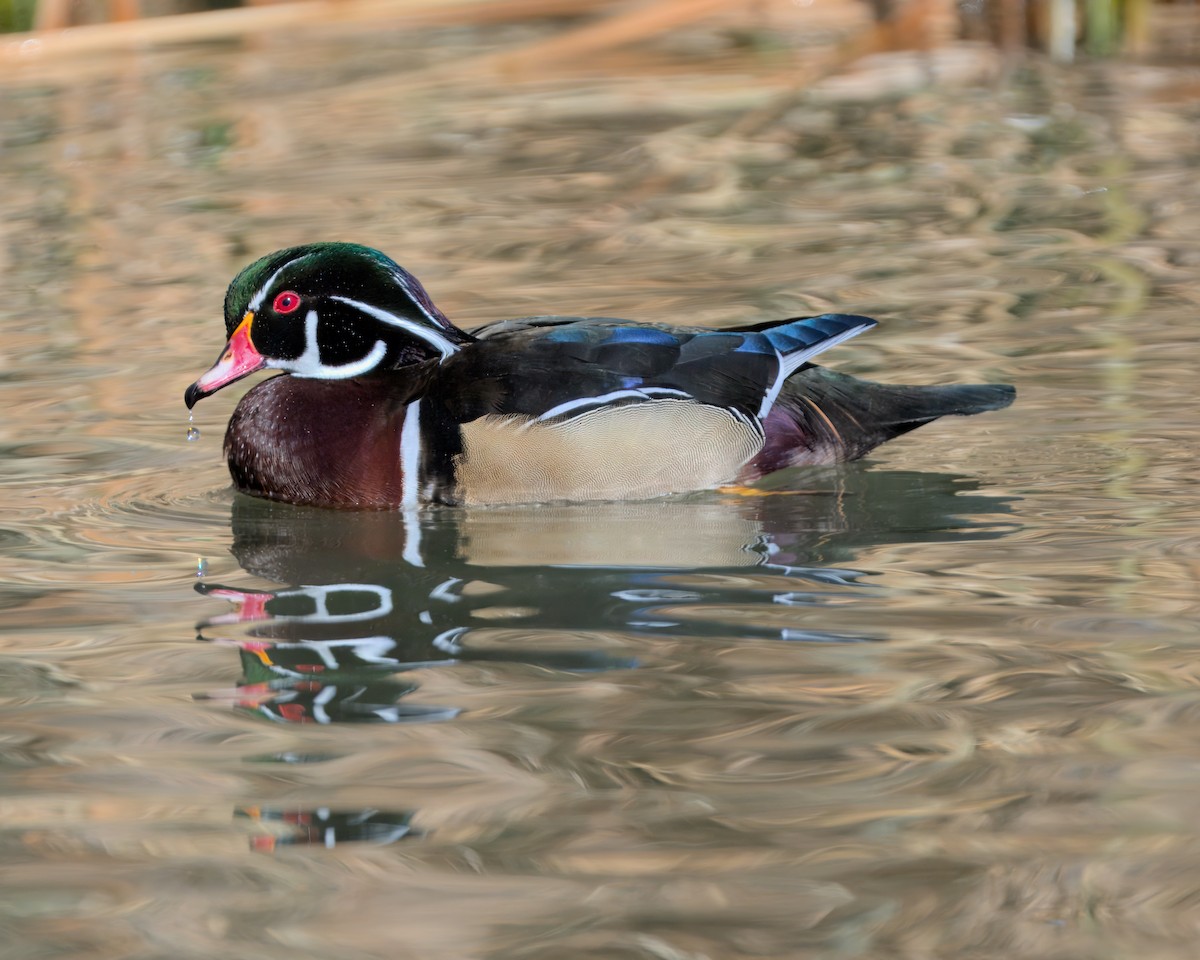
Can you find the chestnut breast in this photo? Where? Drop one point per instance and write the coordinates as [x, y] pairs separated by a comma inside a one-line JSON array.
[[329, 443]]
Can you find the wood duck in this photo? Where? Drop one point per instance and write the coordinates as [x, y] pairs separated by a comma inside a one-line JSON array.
[[383, 402]]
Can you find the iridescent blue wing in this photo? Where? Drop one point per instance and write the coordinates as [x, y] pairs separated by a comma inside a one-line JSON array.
[[549, 367]]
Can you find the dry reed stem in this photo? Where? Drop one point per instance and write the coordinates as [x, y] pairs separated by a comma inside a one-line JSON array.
[[506, 11], [191, 27], [656, 19], [51, 14], [614, 31], [907, 29]]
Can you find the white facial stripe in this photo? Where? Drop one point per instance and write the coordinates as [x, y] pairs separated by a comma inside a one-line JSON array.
[[431, 337], [257, 301], [320, 597], [309, 364]]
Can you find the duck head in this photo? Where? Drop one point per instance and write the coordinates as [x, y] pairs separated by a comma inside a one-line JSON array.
[[328, 311]]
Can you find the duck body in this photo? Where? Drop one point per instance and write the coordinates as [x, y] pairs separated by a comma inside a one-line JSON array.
[[384, 404]]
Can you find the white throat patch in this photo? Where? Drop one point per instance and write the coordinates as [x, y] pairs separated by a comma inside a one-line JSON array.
[[309, 364]]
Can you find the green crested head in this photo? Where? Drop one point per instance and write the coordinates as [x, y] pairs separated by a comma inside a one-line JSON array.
[[328, 311], [326, 269]]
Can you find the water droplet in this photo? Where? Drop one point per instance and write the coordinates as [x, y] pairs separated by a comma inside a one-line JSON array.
[[193, 433], [201, 567]]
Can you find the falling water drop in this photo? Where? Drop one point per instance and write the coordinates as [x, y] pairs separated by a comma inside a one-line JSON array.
[[201, 567], [193, 432]]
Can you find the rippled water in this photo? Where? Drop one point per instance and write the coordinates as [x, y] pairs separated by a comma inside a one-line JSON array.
[[938, 704]]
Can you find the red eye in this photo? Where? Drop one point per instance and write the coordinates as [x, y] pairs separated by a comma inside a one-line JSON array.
[[286, 302]]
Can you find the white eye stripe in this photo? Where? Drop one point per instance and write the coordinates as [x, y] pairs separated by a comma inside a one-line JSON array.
[[257, 301], [406, 281], [443, 346]]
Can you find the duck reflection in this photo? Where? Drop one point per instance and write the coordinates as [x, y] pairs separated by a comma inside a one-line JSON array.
[[324, 827], [366, 601]]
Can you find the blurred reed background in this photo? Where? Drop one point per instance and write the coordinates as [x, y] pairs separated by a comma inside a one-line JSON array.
[[1162, 30]]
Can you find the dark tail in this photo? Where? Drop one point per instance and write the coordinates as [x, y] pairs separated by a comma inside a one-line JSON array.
[[827, 417]]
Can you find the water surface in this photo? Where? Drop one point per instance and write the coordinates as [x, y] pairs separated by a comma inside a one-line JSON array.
[[938, 704]]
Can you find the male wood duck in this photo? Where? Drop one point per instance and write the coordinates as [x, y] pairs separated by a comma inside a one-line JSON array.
[[384, 403]]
